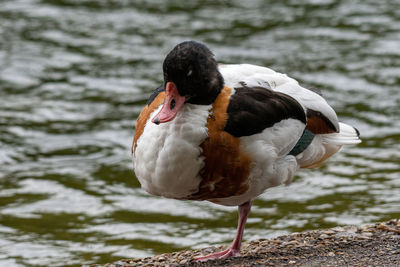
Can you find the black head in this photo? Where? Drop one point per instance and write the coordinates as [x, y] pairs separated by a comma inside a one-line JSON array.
[[192, 67]]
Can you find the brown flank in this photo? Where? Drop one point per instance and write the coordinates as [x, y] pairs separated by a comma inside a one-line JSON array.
[[227, 166], [144, 117]]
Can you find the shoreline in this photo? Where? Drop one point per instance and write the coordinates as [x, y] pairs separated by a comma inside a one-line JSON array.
[[369, 245]]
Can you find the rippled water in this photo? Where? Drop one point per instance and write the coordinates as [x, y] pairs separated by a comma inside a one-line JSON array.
[[75, 74]]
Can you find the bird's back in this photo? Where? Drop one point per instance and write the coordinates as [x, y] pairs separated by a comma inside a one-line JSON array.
[[324, 134]]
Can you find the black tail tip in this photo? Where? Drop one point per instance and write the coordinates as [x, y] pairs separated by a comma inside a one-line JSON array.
[[357, 131]]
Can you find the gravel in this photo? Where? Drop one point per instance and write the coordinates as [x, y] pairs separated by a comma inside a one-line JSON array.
[[371, 245]]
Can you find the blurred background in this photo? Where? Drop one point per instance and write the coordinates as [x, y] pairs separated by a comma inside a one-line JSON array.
[[74, 75]]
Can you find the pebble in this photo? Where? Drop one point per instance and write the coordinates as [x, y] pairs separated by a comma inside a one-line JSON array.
[[323, 236], [338, 229], [367, 234], [351, 229], [183, 261]]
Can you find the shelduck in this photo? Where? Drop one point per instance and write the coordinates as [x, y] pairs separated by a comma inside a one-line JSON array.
[[226, 133]]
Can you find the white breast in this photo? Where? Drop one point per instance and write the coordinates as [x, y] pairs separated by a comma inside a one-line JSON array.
[[168, 156]]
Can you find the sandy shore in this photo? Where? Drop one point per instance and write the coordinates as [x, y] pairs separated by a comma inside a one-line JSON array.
[[371, 245]]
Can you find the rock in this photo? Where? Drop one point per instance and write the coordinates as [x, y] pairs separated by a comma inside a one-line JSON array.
[[323, 236], [183, 261]]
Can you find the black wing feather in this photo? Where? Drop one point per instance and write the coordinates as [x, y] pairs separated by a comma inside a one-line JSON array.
[[252, 109]]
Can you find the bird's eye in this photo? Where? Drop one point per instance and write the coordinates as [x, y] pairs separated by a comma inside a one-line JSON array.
[[172, 105]]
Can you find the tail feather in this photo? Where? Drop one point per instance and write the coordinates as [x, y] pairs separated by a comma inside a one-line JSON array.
[[325, 145], [347, 135]]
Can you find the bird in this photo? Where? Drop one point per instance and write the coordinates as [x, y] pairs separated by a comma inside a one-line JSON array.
[[225, 133]]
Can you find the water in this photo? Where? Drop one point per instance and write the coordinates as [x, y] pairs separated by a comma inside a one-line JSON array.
[[74, 76]]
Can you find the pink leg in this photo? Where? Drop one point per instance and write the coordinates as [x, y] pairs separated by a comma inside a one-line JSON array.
[[234, 248]]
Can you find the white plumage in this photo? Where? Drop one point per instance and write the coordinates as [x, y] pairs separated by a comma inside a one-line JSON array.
[[167, 159]]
